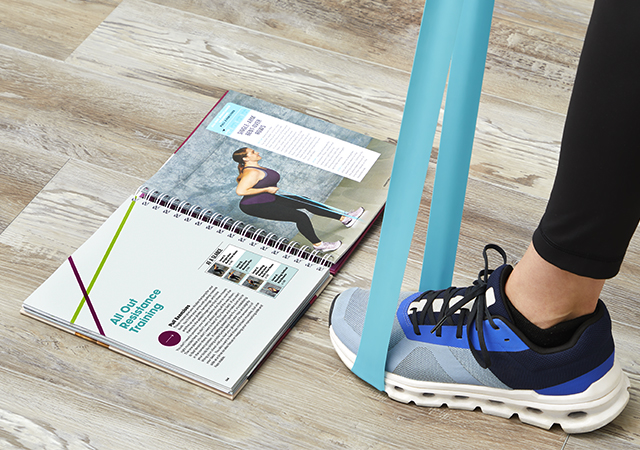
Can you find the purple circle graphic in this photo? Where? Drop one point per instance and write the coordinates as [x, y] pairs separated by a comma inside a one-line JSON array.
[[169, 338]]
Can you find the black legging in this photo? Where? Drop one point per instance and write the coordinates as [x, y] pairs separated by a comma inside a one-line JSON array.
[[287, 209], [594, 206]]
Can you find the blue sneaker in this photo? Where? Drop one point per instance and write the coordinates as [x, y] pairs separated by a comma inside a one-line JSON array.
[[438, 354]]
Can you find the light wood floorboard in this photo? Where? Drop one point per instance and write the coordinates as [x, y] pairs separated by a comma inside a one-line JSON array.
[[381, 32], [363, 96], [94, 96], [59, 109], [297, 390], [563, 17], [22, 176], [528, 65], [52, 28], [35, 413]]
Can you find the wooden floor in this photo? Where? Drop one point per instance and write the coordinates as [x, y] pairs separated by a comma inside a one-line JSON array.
[[95, 95]]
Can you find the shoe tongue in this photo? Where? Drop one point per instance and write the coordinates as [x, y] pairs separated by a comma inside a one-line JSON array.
[[495, 292]]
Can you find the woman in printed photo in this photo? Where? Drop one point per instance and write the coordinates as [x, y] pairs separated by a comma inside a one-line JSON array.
[[258, 187]]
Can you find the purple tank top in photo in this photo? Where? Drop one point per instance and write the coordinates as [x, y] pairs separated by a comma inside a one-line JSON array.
[[271, 179]]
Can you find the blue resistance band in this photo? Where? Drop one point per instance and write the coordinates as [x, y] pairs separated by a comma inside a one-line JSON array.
[[308, 201], [456, 141], [451, 31]]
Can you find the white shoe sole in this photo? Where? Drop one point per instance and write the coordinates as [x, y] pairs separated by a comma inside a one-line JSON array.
[[602, 402]]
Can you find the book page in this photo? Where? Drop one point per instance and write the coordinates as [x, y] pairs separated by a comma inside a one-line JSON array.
[[323, 171], [299, 143], [185, 294]]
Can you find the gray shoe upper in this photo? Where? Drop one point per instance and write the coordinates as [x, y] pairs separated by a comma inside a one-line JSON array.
[[408, 358]]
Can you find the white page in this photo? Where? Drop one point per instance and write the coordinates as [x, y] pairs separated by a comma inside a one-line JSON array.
[[159, 276]]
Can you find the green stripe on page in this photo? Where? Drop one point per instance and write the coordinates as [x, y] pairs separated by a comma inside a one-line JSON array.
[[104, 260]]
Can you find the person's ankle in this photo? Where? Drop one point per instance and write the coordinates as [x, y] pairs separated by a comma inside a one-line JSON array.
[[547, 295], [553, 336]]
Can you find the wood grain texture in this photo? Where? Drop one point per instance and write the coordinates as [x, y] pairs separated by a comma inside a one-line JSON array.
[[528, 65], [562, 17], [22, 176], [531, 66], [303, 395], [376, 31], [297, 390], [36, 414], [56, 222], [52, 28], [61, 110], [82, 126], [200, 54]]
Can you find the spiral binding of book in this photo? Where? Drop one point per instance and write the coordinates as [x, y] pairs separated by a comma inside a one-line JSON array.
[[238, 227]]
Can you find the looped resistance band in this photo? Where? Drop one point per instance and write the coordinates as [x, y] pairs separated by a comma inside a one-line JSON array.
[[311, 202], [453, 41]]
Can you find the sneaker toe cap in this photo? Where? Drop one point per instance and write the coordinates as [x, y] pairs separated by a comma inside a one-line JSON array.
[[348, 313], [347, 316]]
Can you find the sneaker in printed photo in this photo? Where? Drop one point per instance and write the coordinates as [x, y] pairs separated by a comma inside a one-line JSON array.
[[352, 217], [327, 246], [460, 348]]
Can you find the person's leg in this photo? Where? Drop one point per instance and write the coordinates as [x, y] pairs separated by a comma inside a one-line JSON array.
[[284, 211], [297, 202], [547, 295], [348, 219], [594, 206], [551, 359]]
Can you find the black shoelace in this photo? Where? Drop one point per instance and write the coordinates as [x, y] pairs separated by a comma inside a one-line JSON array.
[[475, 316]]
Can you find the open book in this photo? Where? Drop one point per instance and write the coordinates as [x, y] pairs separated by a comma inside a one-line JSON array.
[[209, 264]]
